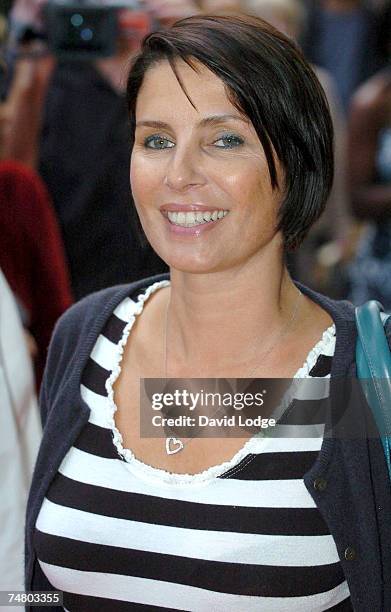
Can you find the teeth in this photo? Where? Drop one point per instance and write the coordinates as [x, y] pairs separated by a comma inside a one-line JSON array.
[[191, 219]]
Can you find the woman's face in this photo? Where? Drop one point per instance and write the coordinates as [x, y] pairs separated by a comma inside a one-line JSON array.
[[191, 165]]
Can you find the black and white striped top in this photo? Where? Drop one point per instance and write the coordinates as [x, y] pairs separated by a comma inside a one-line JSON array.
[[116, 534]]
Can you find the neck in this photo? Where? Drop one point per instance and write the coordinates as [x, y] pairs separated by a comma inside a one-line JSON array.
[[215, 319]]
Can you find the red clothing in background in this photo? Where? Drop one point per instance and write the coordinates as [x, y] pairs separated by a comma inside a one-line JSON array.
[[31, 253]]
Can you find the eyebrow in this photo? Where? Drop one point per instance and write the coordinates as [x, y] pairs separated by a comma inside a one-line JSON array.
[[211, 120]]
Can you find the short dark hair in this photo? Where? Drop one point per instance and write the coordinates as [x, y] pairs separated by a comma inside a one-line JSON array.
[[268, 79]]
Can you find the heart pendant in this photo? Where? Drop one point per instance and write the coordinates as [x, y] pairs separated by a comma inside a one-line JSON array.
[[169, 445]]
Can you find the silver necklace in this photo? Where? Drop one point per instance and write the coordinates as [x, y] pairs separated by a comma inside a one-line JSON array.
[[174, 445]]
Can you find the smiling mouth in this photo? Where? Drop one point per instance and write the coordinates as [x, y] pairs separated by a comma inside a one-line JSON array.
[[192, 219]]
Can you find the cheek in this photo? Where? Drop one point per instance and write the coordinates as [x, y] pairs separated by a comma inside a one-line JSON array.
[[141, 181], [256, 200], [248, 184]]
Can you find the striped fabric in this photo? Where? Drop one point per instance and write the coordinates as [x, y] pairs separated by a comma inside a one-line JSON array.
[[116, 534]]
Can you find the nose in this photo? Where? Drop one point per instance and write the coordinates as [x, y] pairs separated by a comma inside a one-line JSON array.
[[183, 169]]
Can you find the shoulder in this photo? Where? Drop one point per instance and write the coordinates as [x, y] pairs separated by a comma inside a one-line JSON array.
[[340, 309], [76, 332], [82, 323], [87, 308], [93, 310]]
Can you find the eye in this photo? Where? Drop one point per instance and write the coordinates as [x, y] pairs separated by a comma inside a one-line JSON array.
[[231, 141], [158, 142]]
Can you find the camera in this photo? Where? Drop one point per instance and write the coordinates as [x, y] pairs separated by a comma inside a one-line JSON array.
[[83, 30], [79, 30]]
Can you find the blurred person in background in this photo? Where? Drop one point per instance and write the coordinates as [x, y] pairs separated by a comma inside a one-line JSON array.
[[370, 187], [84, 161], [20, 434], [31, 251], [342, 36], [314, 262], [31, 254]]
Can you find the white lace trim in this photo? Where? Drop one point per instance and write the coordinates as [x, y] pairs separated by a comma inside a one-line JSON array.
[[172, 478]]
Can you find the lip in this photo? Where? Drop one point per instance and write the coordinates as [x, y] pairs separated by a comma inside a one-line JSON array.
[[177, 207], [196, 231]]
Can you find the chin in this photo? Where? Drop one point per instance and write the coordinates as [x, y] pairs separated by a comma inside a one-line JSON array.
[[187, 257], [191, 265], [184, 264]]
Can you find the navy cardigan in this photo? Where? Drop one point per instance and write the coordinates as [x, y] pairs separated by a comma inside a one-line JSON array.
[[348, 482]]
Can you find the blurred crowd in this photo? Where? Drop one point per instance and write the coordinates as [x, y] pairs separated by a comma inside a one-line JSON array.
[[67, 221]]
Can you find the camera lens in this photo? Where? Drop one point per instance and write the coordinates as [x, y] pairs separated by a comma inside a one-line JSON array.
[[77, 20], [86, 34]]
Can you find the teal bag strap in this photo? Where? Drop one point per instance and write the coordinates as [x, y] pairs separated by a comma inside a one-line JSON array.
[[373, 363]]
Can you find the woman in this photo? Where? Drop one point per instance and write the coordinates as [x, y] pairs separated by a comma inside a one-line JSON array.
[[231, 164]]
